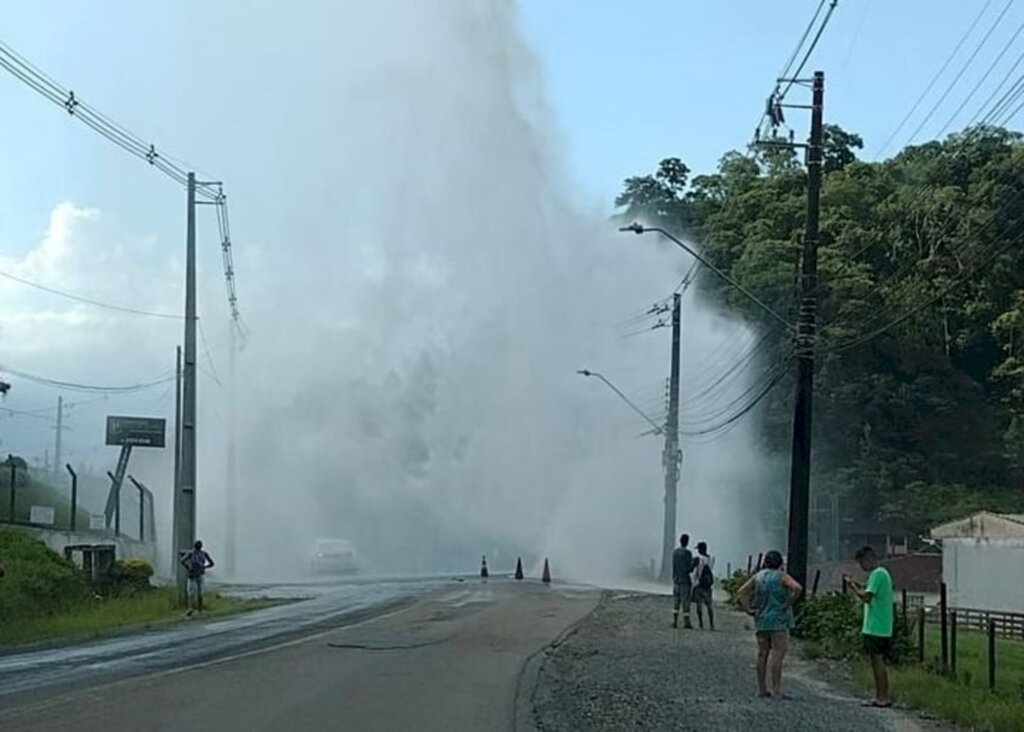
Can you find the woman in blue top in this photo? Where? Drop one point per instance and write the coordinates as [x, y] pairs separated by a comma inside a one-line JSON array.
[[769, 596]]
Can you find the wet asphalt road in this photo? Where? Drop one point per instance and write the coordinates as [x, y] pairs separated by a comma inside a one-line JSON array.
[[47, 670], [421, 655]]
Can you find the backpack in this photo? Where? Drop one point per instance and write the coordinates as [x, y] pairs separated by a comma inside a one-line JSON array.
[[196, 564], [706, 580]]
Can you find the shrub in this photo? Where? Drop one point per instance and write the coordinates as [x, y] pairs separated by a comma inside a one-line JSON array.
[[38, 581], [732, 585], [130, 577], [832, 623]]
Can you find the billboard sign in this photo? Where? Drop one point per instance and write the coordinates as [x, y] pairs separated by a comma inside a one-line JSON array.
[[136, 431]]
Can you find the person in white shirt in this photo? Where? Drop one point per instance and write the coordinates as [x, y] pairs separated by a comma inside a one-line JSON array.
[[703, 584]]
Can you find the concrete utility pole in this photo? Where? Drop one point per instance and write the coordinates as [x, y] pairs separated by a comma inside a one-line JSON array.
[[185, 494], [60, 434], [231, 504], [672, 457], [800, 468]]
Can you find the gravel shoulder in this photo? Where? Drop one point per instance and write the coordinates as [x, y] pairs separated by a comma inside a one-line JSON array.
[[626, 668]]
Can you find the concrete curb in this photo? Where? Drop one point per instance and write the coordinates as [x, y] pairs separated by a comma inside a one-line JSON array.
[[526, 683]]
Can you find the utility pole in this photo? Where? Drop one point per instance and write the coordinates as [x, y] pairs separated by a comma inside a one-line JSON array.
[[185, 494], [800, 466], [672, 457], [231, 504], [60, 434]]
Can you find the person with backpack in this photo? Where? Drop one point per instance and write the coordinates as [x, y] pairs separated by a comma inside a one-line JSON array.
[[196, 562], [703, 584], [682, 582]]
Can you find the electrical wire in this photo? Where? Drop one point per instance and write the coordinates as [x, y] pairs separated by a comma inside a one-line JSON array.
[[979, 264], [26, 72], [803, 39], [209, 359], [74, 386], [960, 74], [938, 74], [984, 78], [810, 50], [88, 301]]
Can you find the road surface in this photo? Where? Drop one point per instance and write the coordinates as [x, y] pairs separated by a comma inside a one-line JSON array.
[[451, 659]]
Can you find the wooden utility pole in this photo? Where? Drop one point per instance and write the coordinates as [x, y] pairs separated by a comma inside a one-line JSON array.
[[672, 456], [800, 466]]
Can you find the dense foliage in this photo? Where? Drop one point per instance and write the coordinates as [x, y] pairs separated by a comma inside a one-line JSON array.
[[920, 357], [37, 581]]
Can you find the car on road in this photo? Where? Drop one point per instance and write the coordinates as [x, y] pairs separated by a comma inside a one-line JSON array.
[[335, 556]]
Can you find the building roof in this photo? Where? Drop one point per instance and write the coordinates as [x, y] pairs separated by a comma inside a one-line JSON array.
[[982, 525], [861, 527]]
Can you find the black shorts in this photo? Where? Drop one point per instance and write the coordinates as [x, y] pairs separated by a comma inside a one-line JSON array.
[[877, 645]]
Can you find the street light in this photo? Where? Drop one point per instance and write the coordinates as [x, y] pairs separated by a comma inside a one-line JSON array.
[[641, 229], [658, 430]]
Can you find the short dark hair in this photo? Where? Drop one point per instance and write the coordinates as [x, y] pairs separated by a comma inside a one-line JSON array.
[[684, 539], [865, 551], [702, 547], [773, 559], [198, 544]]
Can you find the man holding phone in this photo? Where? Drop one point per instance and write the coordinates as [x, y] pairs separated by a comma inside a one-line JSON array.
[[876, 596]]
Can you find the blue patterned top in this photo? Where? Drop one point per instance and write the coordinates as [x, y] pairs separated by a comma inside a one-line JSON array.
[[773, 602]]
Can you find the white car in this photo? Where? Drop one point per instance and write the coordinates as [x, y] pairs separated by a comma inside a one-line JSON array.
[[334, 556]]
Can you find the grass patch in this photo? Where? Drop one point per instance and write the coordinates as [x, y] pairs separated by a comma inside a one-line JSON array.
[[972, 660], [967, 705], [964, 699], [98, 617]]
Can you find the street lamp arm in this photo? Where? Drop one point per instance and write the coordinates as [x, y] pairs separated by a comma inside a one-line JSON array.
[[640, 229], [657, 428]]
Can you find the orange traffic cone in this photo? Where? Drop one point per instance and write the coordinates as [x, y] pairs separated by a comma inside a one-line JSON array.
[[519, 568], [546, 576], [483, 568]]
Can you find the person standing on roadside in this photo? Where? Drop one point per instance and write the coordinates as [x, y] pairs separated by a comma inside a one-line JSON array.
[[878, 620], [703, 581], [682, 585], [196, 562], [769, 596]]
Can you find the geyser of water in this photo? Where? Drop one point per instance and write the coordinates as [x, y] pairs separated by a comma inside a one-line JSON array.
[[419, 318]]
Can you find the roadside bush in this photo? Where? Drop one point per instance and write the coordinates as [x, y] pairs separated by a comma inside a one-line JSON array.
[[831, 626], [832, 623], [732, 585], [38, 581], [129, 577]]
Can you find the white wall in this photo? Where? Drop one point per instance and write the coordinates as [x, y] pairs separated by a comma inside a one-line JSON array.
[[984, 574]]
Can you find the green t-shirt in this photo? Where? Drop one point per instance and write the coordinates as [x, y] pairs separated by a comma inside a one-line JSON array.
[[878, 612]]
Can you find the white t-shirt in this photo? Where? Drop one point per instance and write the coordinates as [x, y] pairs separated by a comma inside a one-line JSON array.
[[701, 562]]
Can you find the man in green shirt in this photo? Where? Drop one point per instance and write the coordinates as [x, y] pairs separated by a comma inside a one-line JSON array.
[[878, 616]]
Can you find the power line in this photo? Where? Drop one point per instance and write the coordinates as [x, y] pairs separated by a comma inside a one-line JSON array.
[[74, 386], [803, 39], [206, 351], [984, 78], [86, 300], [938, 74], [23, 70], [960, 74], [956, 281], [810, 50]]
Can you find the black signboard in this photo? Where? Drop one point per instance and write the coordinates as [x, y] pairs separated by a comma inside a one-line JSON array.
[[136, 431]]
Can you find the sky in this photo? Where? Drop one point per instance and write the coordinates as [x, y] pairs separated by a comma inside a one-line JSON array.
[[316, 115]]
